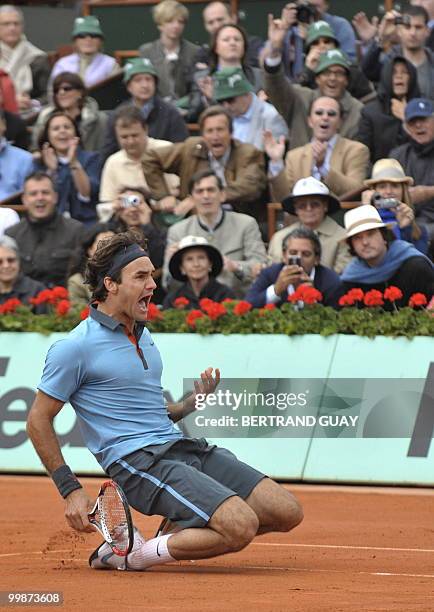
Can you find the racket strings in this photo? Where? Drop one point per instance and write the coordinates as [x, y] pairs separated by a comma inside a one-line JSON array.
[[114, 518]]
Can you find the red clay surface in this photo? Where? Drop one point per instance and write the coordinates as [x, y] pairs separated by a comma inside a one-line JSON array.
[[357, 549]]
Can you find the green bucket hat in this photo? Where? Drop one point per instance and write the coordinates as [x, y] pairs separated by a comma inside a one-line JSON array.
[[332, 57], [138, 65], [87, 25], [320, 29], [229, 83]]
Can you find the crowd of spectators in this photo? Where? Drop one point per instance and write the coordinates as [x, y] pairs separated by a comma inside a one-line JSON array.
[[322, 112]]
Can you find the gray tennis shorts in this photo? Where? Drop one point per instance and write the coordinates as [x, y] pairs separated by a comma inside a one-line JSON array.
[[185, 481]]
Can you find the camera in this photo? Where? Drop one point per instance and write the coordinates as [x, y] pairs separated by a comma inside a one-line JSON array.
[[305, 12], [294, 260], [130, 200], [380, 202], [402, 20]]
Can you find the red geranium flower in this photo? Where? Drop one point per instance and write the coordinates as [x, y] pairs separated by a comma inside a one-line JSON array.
[[417, 300], [356, 295], [192, 316], [44, 296], [228, 301], [181, 302], [204, 303], [392, 294], [60, 293], [306, 294], [84, 313], [62, 307], [10, 306], [270, 307], [153, 312], [242, 307], [373, 298], [213, 309], [346, 300]]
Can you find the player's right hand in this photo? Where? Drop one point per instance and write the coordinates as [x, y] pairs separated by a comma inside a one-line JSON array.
[[78, 504]]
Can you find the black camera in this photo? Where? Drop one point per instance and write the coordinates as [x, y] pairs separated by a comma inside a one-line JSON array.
[[294, 260], [380, 202], [403, 20], [305, 12]]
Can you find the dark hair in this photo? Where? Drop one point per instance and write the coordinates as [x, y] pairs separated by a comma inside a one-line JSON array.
[[214, 111], [100, 263], [128, 115], [80, 256], [43, 137], [138, 189], [199, 176], [416, 11], [214, 60], [39, 176], [306, 234], [387, 234], [72, 79], [338, 102]]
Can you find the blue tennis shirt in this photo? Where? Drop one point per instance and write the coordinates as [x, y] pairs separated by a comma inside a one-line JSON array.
[[113, 385]]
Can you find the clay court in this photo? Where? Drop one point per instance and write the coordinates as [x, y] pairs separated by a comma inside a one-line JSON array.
[[358, 549]]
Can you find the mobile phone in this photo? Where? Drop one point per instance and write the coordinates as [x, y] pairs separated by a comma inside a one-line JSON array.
[[294, 260]]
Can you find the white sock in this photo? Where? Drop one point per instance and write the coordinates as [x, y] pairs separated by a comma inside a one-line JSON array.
[[152, 552]]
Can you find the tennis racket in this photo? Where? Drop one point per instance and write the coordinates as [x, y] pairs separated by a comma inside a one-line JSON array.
[[112, 517]]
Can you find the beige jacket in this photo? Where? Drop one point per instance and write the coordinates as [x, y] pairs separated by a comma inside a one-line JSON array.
[[334, 253]]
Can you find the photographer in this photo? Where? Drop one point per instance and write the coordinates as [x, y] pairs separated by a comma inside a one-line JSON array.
[[301, 254], [389, 193], [412, 32]]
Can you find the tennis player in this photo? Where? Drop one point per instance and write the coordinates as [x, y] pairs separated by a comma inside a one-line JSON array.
[[109, 368]]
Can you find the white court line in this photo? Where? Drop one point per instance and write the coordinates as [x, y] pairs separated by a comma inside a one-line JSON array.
[[344, 547]]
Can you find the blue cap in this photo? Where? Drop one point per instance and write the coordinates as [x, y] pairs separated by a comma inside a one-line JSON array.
[[418, 107]]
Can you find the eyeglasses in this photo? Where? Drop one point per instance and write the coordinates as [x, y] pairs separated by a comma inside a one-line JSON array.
[[8, 260], [64, 88], [337, 73], [87, 35], [304, 205], [330, 113]]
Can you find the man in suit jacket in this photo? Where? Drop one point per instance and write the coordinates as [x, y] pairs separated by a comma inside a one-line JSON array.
[[300, 266], [240, 167], [250, 115], [338, 162]]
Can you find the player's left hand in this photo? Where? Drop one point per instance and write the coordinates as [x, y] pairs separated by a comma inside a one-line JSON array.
[[208, 382]]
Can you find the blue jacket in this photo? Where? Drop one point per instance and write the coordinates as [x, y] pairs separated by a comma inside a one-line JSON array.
[[326, 281], [15, 166], [69, 199]]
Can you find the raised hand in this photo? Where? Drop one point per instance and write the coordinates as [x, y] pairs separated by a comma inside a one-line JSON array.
[[272, 147], [366, 30], [49, 157], [277, 29], [72, 150], [319, 150]]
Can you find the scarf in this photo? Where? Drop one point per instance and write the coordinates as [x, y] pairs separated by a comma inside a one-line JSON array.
[[398, 252], [16, 61]]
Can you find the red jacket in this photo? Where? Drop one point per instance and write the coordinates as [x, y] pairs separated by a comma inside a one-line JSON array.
[[7, 90]]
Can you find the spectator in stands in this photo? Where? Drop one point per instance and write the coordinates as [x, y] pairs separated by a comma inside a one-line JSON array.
[[295, 33], [76, 172], [235, 235], [294, 101], [299, 265], [412, 34], [79, 292], [16, 129], [27, 65], [126, 166], [240, 166], [69, 96], [380, 261], [15, 164], [250, 115], [388, 181], [216, 14], [88, 62], [312, 203], [338, 162], [172, 56], [196, 264], [417, 159], [428, 5], [320, 38], [228, 50], [13, 283], [163, 120], [45, 238], [381, 123]]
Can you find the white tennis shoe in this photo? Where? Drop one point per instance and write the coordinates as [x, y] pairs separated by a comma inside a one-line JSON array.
[[104, 558]]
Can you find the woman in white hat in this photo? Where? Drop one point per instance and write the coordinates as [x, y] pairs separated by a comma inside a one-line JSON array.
[[389, 193], [380, 260], [196, 264]]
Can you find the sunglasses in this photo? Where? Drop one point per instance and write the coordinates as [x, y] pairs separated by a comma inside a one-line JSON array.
[[305, 205], [8, 260], [87, 35], [64, 88], [330, 113]]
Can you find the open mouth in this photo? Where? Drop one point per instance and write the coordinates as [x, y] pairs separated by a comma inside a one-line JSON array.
[[143, 303]]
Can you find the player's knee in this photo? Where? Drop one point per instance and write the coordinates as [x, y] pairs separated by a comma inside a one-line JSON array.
[[292, 515], [242, 531]]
